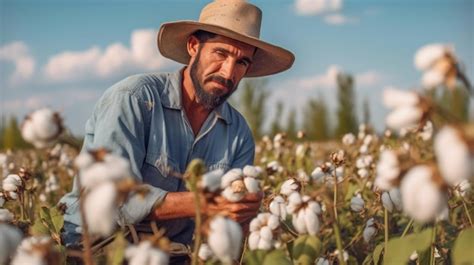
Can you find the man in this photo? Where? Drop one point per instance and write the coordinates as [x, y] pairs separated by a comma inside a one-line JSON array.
[[161, 121]]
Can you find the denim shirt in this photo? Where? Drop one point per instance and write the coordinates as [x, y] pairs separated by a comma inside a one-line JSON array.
[[142, 119]]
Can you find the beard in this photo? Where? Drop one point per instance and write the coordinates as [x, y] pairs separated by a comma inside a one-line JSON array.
[[209, 100]]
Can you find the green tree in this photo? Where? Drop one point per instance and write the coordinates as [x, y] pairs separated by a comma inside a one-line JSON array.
[[315, 121], [276, 126], [11, 135], [291, 126], [366, 111], [346, 110], [252, 103]]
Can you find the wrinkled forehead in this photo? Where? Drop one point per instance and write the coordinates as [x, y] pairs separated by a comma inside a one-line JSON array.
[[246, 49]]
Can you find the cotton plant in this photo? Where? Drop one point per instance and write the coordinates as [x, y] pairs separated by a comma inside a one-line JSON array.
[[12, 185], [357, 203], [305, 213], [107, 180], [235, 184], [409, 109], [225, 239], [263, 231], [391, 200], [326, 173], [42, 127], [388, 170], [370, 230], [422, 196], [455, 163], [440, 66], [277, 207]]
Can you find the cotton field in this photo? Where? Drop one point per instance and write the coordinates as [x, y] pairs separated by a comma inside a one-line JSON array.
[[394, 197]]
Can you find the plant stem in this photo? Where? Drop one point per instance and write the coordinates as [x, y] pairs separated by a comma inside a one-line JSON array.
[[339, 243], [87, 257], [386, 227], [335, 198], [197, 229], [433, 240], [467, 212], [407, 227]]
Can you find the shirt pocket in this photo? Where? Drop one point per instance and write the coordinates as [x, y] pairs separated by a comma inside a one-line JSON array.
[[161, 172]]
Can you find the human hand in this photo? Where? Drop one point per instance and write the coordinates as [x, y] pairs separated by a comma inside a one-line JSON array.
[[242, 211]]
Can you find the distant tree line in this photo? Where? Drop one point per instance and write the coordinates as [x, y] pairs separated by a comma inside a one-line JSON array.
[[317, 121]]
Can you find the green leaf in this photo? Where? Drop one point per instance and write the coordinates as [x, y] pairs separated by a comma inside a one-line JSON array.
[[378, 252], [369, 260], [399, 249], [254, 257], [39, 228], [306, 249], [463, 252], [276, 257]]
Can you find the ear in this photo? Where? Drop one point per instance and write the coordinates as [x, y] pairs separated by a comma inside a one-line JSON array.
[[192, 46]]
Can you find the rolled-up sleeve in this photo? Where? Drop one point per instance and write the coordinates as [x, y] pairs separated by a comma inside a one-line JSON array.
[[120, 125]]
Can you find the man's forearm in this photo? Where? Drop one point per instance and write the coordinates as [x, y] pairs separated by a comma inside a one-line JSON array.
[[175, 205]]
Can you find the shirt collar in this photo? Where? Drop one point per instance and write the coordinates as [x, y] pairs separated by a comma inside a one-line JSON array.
[[171, 97]]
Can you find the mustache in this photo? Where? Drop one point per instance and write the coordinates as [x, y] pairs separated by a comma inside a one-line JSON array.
[[221, 80]]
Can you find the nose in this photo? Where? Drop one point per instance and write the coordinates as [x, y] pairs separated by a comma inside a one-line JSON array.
[[228, 69]]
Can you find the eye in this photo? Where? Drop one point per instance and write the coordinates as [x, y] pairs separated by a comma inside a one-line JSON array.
[[243, 63], [220, 54]]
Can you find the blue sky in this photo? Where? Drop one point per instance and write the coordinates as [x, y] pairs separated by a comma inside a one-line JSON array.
[[64, 54]]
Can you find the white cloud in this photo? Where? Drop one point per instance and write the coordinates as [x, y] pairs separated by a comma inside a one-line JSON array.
[[338, 19], [327, 79], [315, 7], [369, 78], [68, 97], [18, 53], [115, 59]]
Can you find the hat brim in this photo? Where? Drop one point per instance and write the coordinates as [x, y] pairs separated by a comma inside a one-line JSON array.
[[268, 59]]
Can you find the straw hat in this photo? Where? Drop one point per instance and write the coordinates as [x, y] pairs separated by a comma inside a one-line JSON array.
[[235, 19]]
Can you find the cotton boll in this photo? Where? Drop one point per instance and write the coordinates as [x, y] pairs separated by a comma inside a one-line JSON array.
[[277, 207], [357, 203], [211, 181], [404, 117], [12, 182], [432, 79], [205, 252], [225, 239], [311, 221], [369, 230], [251, 185], [289, 186], [251, 171], [254, 239], [41, 127], [231, 195], [145, 254], [318, 174], [388, 170], [294, 202], [427, 55], [101, 209], [453, 156], [299, 222], [395, 98], [422, 199], [348, 139], [230, 176], [322, 261]]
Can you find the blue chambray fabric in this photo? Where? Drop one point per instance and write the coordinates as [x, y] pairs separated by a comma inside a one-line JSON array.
[[142, 119]]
